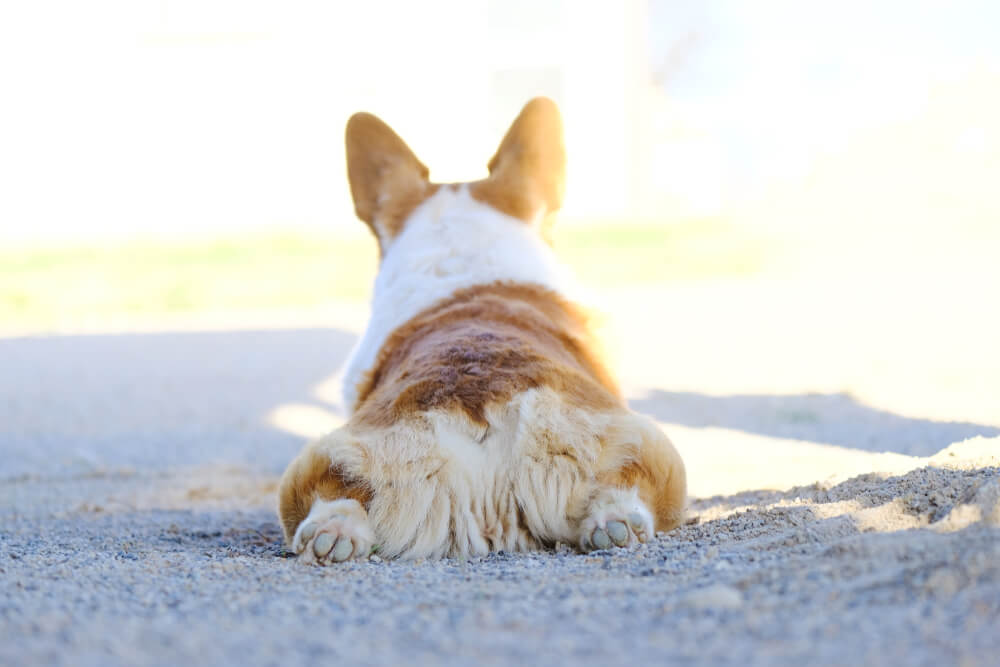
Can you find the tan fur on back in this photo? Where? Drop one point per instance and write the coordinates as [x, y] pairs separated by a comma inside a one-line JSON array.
[[482, 347], [488, 420]]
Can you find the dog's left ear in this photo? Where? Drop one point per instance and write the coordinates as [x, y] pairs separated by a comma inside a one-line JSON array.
[[528, 173], [387, 180]]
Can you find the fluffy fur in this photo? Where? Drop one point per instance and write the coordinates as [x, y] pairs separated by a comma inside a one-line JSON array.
[[482, 415]]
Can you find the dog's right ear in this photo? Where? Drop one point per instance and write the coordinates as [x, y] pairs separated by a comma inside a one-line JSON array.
[[528, 171], [387, 180]]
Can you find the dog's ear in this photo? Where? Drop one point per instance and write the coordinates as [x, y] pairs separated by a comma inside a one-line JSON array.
[[528, 172], [387, 180]]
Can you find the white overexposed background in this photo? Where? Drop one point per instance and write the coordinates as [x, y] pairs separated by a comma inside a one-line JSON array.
[[147, 118]]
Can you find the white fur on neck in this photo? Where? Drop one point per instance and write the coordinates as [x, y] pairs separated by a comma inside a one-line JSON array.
[[450, 242]]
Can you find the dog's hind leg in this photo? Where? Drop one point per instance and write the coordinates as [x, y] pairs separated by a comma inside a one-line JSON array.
[[644, 492], [322, 507]]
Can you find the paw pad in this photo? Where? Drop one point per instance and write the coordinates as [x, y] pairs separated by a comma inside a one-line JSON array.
[[323, 544], [600, 539], [333, 532], [618, 532], [339, 548], [616, 519], [343, 549]]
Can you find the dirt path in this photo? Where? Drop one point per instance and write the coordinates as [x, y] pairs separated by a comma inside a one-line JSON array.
[[828, 526]]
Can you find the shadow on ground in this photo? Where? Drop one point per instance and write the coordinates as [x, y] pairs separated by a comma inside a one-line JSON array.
[[79, 404], [76, 404], [834, 419]]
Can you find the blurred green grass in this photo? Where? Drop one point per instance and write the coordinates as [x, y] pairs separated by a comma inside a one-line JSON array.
[[621, 255], [47, 287]]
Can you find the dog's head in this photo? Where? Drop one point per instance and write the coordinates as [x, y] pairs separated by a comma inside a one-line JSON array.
[[526, 175]]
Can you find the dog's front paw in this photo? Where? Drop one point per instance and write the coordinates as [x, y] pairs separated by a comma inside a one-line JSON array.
[[334, 531], [617, 517]]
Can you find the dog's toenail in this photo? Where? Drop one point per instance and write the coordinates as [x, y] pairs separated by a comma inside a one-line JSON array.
[[635, 520], [323, 544], [307, 533]]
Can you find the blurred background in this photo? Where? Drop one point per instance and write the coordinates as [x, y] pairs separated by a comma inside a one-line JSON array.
[[772, 198]]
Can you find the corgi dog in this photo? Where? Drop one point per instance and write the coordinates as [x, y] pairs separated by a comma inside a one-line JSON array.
[[482, 416]]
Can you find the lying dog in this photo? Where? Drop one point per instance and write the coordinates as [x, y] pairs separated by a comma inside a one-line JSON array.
[[482, 415]]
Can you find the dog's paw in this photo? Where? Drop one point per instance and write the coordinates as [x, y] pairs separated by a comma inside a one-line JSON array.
[[333, 532], [617, 517]]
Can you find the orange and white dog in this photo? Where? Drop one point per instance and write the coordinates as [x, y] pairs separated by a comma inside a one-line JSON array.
[[482, 415]]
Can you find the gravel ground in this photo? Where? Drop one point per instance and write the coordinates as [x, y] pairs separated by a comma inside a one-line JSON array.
[[137, 527], [763, 578]]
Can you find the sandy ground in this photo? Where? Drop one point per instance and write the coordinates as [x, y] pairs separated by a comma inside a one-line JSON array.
[[843, 448]]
